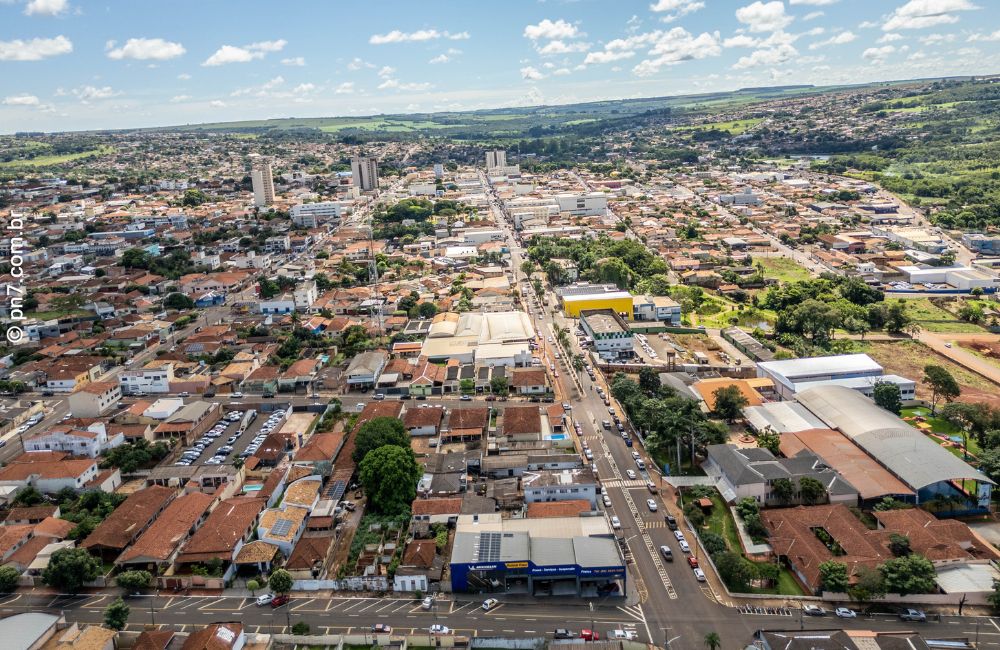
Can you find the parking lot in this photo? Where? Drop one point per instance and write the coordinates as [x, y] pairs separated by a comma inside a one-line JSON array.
[[224, 442]]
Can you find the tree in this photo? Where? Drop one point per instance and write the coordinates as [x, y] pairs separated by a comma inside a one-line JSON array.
[[253, 586], [8, 579], [888, 397], [499, 386], [735, 570], [193, 197], [782, 490], [649, 380], [70, 568], [389, 475], [132, 580], [379, 432], [869, 584], [912, 574], [942, 384], [994, 598], [899, 545], [301, 628], [116, 615], [833, 577], [713, 641], [729, 402], [812, 491], [770, 440], [427, 310], [280, 581], [713, 543], [989, 462], [178, 301]]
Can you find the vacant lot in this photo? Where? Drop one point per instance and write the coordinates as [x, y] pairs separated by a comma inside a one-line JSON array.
[[56, 159], [908, 358], [783, 268], [734, 127], [936, 319]]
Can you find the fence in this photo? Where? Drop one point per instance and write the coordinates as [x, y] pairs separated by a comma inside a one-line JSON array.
[[354, 583]]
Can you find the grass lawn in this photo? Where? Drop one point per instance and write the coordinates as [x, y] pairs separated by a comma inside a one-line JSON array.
[[784, 269], [720, 521], [56, 159], [734, 127], [66, 313], [935, 319], [786, 586], [943, 427]]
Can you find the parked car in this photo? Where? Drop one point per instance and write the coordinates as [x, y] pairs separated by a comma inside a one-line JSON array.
[[607, 500], [590, 635], [844, 612], [563, 633], [699, 575], [622, 635], [684, 546], [692, 562], [813, 610], [678, 535], [437, 628], [912, 615], [381, 628], [264, 599], [466, 398], [616, 523], [671, 522], [427, 602], [279, 600], [490, 603], [651, 487]]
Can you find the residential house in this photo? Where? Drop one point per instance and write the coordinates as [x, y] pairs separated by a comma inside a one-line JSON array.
[[95, 399]]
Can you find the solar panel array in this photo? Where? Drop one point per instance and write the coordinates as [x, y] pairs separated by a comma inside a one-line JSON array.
[[281, 528], [335, 490], [489, 547]]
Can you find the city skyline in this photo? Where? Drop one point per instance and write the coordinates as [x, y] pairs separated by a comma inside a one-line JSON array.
[[76, 65]]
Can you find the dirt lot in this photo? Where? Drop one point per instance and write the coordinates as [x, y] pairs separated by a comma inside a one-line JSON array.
[[908, 358], [691, 343]]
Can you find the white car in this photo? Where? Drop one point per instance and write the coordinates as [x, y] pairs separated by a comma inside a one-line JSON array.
[[844, 612], [490, 603], [437, 628], [607, 501], [264, 599], [684, 546], [679, 535], [631, 474], [616, 523], [699, 575], [651, 505]]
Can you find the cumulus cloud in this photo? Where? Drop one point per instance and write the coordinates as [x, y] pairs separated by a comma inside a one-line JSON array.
[[551, 30], [345, 88], [395, 84], [46, 7], [889, 37], [35, 49], [232, 54], [357, 64], [814, 3], [562, 47], [677, 8], [813, 15], [974, 38], [304, 88], [877, 54], [445, 57], [741, 40], [217, 103], [678, 45], [531, 73], [87, 94], [937, 39], [176, 99], [839, 39], [920, 14], [294, 61], [607, 56], [21, 100], [764, 16], [146, 48], [397, 36]]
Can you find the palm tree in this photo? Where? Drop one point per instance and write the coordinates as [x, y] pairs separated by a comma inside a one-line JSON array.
[[713, 641]]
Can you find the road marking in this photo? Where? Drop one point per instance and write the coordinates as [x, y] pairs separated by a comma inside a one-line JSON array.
[[303, 604]]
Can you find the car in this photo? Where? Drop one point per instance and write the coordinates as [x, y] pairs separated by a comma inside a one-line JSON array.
[[466, 398], [607, 500], [264, 599], [684, 546], [567, 406], [641, 464], [699, 575], [237, 396], [631, 474], [912, 615], [589, 454], [678, 535], [651, 505], [490, 603], [693, 562], [381, 628], [563, 633], [616, 523], [651, 487], [378, 396], [606, 424], [813, 610], [427, 602], [844, 612], [184, 394], [437, 628], [279, 600], [590, 635], [622, 635], [667, 554]]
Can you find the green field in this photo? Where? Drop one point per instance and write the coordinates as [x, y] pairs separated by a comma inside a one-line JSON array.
[[733, 127], [784, 269], [935, 319], [55, 159], [382, 124]]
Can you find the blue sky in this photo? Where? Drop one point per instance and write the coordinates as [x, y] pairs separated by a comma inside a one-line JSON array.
[[81, 64]]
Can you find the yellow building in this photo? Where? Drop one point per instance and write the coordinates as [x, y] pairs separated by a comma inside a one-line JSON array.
[[618, 301]]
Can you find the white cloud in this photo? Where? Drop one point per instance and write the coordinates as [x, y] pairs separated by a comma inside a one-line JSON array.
[[562, 47], [34, 50], [608, 56], [678, 45], [878, 53], [531, 73], [974, 38], [889, 37], [764, 16], [813, 15], [21, 100], [263, 90], [549, 30], [936, 39], [741, 40], [839, 39], [777, 55], [357, 64], [815, 31], [397, 36], [561, 72], [183, 76], [386, 71], [867, 24], [217, 103], [445, 57], [920, 14], [46, 7], [304, 88], [814, 3], [681, 7], [297, 61], [345, 88], [916, 56], [180, 98], [87, 94], [395, 84], [146, 48], [233, 54]]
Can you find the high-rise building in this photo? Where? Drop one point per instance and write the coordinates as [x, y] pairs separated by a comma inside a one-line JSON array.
[[496, 160], [263, 184], [364, 171], [438, 170]]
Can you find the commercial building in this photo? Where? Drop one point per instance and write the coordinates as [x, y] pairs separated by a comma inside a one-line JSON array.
[[263, 184], [498, 338], [496, 160], [583, 295], [311, 215], [593, 204], [553, 556], [95, 399], [611, 335], [980, 243], [916, 238], [560, 485], [962, 278], [364, 173], [154, 378], [365, 368], [656, 308], [856, 371]]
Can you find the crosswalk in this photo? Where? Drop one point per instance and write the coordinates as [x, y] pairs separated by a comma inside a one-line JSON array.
[[624, 483], [752, 610]]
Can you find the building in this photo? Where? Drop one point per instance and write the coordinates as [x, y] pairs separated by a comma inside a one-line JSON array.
[[311, 215], [962, 278], [560, 485], [420, 567], [95, 399], [225, 531], [496, 161], [128, 521], [592, 204], [364, 173], [577, 297], [263, 184], [365, 368], [90, 442], [497, 338], [752, 472], [982, 244], [158, 545], [154, 378], [854, 639], [855, 371], [746, 197], [611, 336], [656, 308], [561, 556], [50, 472]]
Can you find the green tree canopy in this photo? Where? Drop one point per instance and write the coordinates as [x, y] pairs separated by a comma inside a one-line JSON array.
[[911, 574], [942, 384], [116, 615], [389, 475], [280, 581], [131, 580], [833, 577], [729, 402], [70, 568], [8, 579], [888, 397], [378, 432], [812, 491]]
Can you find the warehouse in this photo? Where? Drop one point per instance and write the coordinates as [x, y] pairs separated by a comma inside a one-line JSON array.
[[789, 373], [578, 297], [497, 338], [553, 556], [611, 336]]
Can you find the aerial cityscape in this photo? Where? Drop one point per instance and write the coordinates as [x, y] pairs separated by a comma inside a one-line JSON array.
[[669, 324]]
